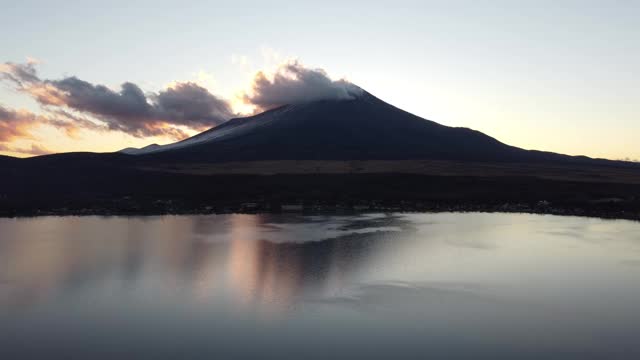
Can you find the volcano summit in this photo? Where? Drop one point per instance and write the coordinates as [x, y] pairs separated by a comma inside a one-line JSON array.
[[362, 127]]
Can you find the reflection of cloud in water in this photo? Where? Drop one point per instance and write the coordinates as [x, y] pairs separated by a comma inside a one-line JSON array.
[[276, 273], [402, 296], [267, 260], [300, 229], [209, 280], [633, 262], [591, 230], [467, 311], [260, 260]]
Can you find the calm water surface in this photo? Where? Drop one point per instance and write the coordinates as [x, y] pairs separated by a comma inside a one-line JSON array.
[[448, 286]]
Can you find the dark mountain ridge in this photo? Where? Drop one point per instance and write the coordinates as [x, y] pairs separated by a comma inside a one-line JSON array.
[[363, 128]]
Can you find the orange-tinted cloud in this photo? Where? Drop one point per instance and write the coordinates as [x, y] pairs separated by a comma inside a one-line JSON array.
[[130, 110], [16, 124], [70, 123], [20, 74], [19, 124], [34, 149]]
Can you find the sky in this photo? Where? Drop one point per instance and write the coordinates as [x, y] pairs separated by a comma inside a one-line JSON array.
[[560, 76]]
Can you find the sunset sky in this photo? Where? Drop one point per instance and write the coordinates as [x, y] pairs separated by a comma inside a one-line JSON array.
[[561, 76]]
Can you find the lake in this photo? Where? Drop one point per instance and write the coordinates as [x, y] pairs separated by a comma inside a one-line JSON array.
[[443, 286]]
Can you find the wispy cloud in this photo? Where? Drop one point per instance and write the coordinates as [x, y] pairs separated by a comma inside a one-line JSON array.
[[19, 124], [20, 74], [16, 124], [34, 149]]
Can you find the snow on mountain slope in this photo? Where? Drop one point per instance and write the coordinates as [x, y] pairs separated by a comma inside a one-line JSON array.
[[362, 128], [232, 128]]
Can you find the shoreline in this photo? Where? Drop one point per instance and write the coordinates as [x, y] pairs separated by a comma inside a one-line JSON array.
[[605, 214], [101, 192]]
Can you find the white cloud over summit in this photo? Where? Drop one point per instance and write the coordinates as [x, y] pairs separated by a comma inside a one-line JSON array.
[[293, 83]]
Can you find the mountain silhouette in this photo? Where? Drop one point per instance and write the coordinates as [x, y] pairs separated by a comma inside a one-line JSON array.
[[362, 128]]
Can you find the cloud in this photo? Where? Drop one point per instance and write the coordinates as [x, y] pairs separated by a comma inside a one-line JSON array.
[[19, 124], [34, 149], [129, 109], [20, 74], [16, 124], [293, 83], [71, 123], [191, 105], [71, 104]]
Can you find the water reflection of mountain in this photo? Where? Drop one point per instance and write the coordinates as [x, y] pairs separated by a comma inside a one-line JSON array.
[[268, 272], [257, 260]]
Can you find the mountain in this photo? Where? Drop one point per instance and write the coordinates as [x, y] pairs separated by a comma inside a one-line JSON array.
[[362, 128], [136, 151], [409, 163]]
